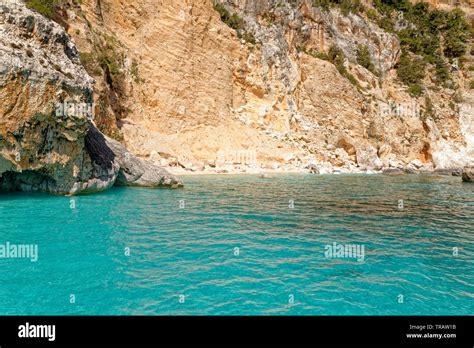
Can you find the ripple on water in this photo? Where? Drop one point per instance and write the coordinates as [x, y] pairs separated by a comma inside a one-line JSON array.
[[238, 248]]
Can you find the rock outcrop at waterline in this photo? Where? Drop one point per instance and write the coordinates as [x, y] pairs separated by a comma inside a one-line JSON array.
[[468, 173], [44, 147], [127, 169]]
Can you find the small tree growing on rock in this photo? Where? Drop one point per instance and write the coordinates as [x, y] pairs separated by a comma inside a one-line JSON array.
[[363, 58]]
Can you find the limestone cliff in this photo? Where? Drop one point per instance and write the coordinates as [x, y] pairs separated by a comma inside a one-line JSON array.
[[181, 87], [197, 93]]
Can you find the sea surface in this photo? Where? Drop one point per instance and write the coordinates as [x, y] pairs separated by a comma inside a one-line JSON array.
[[244, 245]]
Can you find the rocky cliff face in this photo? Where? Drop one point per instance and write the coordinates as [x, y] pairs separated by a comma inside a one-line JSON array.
[[181, 88], [48, 141], [196, 90]]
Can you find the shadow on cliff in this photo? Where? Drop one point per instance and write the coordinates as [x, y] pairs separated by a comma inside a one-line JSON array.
[[98, 150]]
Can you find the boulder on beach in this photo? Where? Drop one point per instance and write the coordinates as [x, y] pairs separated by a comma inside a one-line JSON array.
[[393, 171], [457, 172], [410, 170], [367, 158], [448, 171], [468, 173], [313, 169]]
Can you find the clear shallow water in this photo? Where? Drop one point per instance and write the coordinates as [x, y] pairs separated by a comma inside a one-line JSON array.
[[190, 251]]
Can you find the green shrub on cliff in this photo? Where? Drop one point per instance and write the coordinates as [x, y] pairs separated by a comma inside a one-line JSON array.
[[386, 6], [248, 37], [429, 109], [135, 72], [427, 30], [420, 42], [233, 21], [89, 62], [363, 58], [415, 90], [411, 72], [324, 4], [336, 56], [48, 8], [458, 33], [441, 70], [45, 7], [432, 35], [51, 9], [346, 6], [319, 55]]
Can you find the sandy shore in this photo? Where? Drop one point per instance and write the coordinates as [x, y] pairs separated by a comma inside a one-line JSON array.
[[269, 172], [180, 172]]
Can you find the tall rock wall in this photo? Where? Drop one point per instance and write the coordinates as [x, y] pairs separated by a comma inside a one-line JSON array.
[[45, 122], [193, 91], [205, 91]]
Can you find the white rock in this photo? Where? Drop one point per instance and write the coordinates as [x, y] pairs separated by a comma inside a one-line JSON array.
[[416, 163]]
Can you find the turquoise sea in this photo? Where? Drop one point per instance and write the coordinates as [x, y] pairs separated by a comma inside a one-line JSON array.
[[244, 245]]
